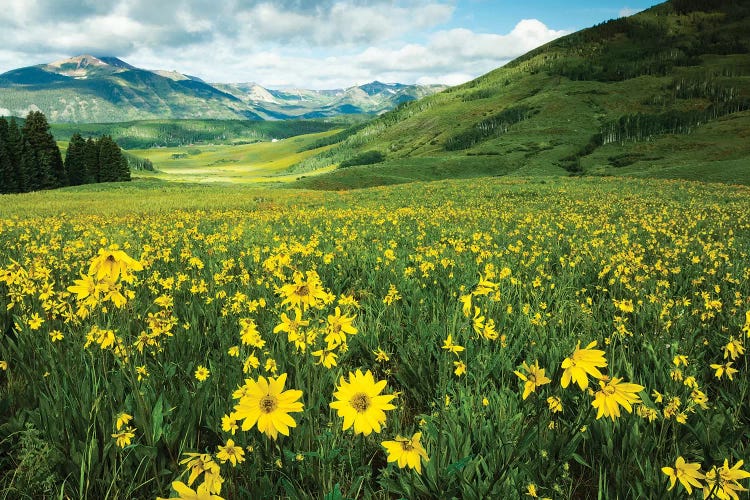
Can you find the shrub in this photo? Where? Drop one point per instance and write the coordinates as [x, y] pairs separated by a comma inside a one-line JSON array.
[[366, 158]]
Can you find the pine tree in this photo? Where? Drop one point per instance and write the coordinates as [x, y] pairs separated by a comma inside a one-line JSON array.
[[123, 170], [91, 161], [113, 166], [107, 159], [48, 170], [7, 177], [29, 168], [75, 160], [15, 147]]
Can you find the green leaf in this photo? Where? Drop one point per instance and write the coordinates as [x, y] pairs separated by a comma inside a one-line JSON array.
[[578, 458], [157, 419], [335, 494]]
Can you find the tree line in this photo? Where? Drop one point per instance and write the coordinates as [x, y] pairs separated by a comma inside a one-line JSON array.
[[30, 159], [490, 127]]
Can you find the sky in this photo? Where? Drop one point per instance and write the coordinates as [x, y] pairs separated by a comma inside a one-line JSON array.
[[323, 44]]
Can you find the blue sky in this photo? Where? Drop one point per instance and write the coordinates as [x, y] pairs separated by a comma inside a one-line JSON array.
[[572, 15], [298, 43]]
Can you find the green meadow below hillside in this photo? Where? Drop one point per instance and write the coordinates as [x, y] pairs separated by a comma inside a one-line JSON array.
[[259, 162]]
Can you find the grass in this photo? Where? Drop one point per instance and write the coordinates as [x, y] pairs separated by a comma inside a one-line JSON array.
[[407, 170], [244, 163], [517, 272], [715, 152]]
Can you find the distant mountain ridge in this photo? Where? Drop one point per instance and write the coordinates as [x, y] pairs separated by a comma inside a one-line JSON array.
[[89, 88]]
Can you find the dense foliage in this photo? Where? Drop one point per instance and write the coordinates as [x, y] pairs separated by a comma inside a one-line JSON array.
[[365, 158], [30, 159], [490, 127]]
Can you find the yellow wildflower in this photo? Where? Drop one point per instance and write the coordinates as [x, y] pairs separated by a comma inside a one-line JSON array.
[[614, 394], [581, 363], [688, 474], [534, 378], [407, 452], [235, 454], [360, 403], [268, 405], [202, 373]]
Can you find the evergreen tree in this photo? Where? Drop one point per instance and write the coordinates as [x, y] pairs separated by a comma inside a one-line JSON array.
[[7, 174], [113, 166], [107, 159], [48, 171], [75, 161], [91, 161], [15, 147], [29, 168], [123, 168]]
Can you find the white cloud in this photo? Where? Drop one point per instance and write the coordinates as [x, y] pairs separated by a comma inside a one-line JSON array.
[[301, 43], [627, 11], [449, 56], [447, 79], [460, 51], [344, 23]]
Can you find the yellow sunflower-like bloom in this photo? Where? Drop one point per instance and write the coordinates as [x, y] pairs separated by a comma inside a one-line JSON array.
[[725, 369], [723, 481], [202, 373], [123, 419], [614, 394], [267, 404], [448, 345], [534, 378], [113, 264], [360, 403], [581, 363], [306, 291], [688, 474], [407, 452], [186, 493], [291, 326], [235, 454], [87, 289], [338, 327], [555, 404], [733, 349], [124, 436]]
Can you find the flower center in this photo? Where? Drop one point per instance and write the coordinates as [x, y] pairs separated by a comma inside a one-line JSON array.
[[608, 389], [360, 402], [303, 291], [406, 445], [268, 404]]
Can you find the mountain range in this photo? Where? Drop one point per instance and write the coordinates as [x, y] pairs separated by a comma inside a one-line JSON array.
[[102, 89]]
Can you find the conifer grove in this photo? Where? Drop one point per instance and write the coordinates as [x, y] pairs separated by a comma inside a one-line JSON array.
[[30, 159]]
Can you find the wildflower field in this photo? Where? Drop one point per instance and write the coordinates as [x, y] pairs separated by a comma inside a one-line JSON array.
[[560, 338]]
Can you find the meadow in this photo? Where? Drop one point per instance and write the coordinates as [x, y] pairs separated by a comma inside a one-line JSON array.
[[526, 337], [254, 163]]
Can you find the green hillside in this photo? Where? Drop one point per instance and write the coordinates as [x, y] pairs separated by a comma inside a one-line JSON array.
[[663, 93]]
